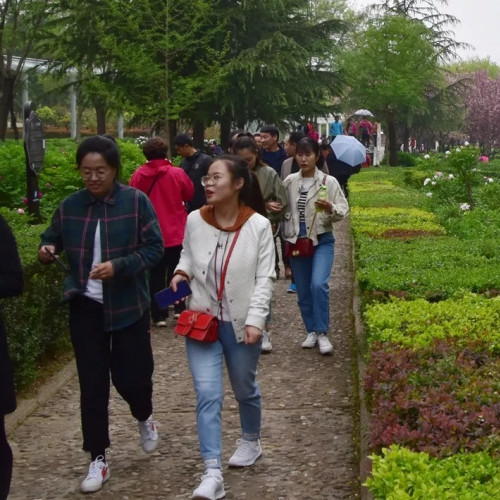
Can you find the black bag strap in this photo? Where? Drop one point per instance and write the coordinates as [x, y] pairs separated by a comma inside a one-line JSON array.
[[152, 185]]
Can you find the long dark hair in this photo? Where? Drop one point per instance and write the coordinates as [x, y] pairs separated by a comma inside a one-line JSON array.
[[246, 142], [250, 193]]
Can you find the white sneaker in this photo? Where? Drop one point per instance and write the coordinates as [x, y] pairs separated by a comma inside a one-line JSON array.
[[266, 342], [325, 346], [246, 454], [311, 340], [211, 486], [97, 476], [160, 324], [149, 435]]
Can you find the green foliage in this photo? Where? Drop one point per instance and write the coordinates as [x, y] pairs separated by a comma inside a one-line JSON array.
[[394, 221], [36, 322], [434, 268], [418, 323], [400, 474]]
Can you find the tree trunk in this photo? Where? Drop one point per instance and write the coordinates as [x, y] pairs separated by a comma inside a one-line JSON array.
[[225, 130], [100, 111], [6, 103], [199, 134], [13, 124], [392, 139], [406, 139], [171, 133]]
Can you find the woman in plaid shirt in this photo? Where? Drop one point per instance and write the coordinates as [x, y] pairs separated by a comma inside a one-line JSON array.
[[111, 237]]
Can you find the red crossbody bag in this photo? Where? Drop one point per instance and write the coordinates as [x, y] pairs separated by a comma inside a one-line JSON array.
[[201, 326]]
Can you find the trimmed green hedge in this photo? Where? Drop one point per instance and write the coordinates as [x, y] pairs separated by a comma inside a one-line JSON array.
[[400, 474]]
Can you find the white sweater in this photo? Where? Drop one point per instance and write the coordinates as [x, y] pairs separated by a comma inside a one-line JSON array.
[[250, 275]]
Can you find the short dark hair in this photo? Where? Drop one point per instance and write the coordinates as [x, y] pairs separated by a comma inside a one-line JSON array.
[[183, 140], [308, 145], [296, 136], [155, 148], [325, 144], [104, 146], [270, 129]]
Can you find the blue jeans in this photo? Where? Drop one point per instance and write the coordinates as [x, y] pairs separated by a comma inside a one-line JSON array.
[[205, 362], [312, 275]]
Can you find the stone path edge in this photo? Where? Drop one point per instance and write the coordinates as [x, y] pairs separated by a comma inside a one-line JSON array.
[[26, 407], [365, 464]]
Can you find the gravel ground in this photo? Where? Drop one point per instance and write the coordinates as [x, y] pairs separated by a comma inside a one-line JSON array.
[[309, 434]]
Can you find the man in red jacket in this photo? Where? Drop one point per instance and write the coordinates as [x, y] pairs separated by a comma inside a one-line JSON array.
[[168, 188]]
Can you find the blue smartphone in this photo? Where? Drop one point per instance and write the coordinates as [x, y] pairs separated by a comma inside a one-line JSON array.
[[167, 297]]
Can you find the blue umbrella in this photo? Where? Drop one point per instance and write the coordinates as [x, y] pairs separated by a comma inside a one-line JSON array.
[[349, 150]]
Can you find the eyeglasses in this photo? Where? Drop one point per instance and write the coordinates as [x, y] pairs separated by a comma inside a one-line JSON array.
[[99, 174], [211, 180]]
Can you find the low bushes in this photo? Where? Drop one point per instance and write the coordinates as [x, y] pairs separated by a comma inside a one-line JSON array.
[[400, 474], [429, 269]]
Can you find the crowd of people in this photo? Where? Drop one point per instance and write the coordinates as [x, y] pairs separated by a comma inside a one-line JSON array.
[[217, 223]]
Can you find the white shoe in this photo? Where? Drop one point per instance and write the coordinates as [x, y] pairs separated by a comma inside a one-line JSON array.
[[246, 454], [311, 340], [325, 346], [211, 486], [149, 435], [266, 342], [97, 476], [160, 324]]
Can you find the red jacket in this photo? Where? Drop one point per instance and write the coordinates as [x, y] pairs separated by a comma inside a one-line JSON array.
[[172, 189]]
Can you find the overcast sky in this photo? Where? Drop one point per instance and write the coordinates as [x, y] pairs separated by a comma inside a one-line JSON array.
[[480, 25]]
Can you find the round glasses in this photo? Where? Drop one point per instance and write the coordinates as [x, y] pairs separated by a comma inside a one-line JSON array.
[[210, 180], [99, 174]]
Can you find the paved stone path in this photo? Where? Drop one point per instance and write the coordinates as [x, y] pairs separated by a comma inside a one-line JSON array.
[[308, 430]]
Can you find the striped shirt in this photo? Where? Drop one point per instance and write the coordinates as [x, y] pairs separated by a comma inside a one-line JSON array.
[[130, 238], [301, 203]]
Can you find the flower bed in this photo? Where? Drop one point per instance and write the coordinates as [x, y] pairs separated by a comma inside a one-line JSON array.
[[433, 367]]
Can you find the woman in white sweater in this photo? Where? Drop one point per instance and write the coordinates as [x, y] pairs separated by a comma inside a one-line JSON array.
[[311, 215], [234, 200]]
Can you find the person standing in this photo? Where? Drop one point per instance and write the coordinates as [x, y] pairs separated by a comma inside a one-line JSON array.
[[11, 284], [272, 155], [195, 164], [351, 128], [111, 238], [308, 216], [233, 216], [168, 189], [275, 198], [366, 131], [336, 168], [336, 128]]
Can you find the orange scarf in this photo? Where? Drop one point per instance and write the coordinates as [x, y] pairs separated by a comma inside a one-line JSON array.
[[244, 213]]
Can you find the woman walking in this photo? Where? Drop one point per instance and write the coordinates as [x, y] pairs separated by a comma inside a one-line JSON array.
[[111, 238], [11, 284], [233, 215], [274, 195], [311, 215], [168, 188]]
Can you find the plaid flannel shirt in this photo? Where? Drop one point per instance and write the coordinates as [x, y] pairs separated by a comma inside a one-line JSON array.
[[130, 238]]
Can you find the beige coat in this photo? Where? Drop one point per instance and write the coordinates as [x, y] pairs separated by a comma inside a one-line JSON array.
[[324, 221], [286, 168], [250, 273]]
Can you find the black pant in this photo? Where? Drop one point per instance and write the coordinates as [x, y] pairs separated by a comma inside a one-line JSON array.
[[125, 353], [343, 180], [166, 266], [5, 461]]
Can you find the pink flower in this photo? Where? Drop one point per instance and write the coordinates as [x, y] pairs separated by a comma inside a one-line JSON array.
[[20, 211], [47, 184], [40, 194], [25, 201], [484, 159]]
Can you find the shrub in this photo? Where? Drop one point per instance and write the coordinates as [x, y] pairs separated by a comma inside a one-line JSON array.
[[36, 322], [418, 323], [400, 474], [441, 399]]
